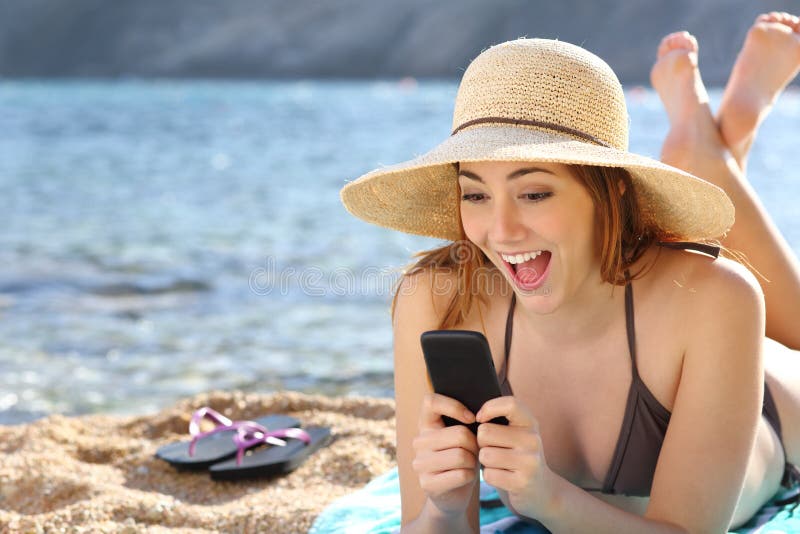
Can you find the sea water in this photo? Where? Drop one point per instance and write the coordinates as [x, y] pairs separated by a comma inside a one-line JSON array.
[[161, 238]]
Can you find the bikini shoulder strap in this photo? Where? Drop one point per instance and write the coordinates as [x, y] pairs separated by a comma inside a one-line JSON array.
[[711, 250], [509, 332], [630, 328]]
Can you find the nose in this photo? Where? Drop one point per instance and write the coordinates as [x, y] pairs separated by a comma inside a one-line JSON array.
[[506, 225]]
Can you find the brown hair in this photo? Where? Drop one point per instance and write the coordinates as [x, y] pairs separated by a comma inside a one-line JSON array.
[[625, 233]]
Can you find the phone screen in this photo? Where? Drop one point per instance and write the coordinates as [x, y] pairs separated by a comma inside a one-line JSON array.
[[460, 366]]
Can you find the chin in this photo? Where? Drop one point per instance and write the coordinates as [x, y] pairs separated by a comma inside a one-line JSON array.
[[542, 301]]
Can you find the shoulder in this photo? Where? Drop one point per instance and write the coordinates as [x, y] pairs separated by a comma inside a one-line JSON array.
[[702, 278], [732, 303], [708, 293], [424, 295], [421, 302]]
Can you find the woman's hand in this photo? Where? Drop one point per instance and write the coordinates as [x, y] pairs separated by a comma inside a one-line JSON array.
[[512, 456], [446, 457]]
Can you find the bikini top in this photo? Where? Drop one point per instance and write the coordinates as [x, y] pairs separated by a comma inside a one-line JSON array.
[[645, 422]]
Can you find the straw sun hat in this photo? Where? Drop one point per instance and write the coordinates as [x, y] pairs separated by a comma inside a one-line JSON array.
[[535, 100]]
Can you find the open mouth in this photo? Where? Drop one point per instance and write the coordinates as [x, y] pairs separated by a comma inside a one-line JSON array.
[[528, 270]]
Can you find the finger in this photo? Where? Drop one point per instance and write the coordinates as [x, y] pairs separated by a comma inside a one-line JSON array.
[[437, 483], [508, 459], [503, 479], [435, 405], [441, 461], [512, 437], [446, 438], [508, 407]]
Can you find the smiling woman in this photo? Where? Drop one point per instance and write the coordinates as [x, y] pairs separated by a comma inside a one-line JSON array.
[[630, 419], [621, 235], [517, 211]]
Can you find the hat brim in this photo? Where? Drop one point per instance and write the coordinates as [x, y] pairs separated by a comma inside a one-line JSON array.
[[420, 196]]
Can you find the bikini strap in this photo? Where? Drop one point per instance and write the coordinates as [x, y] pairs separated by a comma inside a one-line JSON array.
[[509, 331], [711, 250], [629, 325]]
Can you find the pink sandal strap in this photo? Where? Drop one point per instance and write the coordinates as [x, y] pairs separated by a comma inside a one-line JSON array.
[[250, 434], [223, 424]]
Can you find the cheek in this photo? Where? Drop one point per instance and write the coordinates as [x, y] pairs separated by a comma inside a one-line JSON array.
[[597, 240], [472, 223], [577, 231], [589, 232]]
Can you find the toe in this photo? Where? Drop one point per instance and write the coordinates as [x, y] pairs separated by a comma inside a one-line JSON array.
[[682, 40], [664, 45], [772, 16], [693, 40], [794, 22]]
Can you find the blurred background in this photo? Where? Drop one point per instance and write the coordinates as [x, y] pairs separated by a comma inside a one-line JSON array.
[[169, 175]]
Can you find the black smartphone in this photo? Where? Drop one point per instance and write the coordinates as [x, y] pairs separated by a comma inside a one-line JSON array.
[[460, 366]]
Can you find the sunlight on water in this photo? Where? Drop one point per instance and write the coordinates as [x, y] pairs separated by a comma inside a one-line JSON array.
[[162, 239]]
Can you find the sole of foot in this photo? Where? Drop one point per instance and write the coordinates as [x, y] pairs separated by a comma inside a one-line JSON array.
[[767, 62], [693, 134]]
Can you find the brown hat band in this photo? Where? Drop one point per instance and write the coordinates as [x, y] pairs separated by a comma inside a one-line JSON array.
[[541, 124]]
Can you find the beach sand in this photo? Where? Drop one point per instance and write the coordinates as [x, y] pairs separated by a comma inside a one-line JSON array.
[[97, 473]]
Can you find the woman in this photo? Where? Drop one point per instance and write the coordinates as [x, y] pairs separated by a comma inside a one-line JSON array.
[[559, 235]]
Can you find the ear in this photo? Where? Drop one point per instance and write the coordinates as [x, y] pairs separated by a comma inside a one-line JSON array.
[[621, 185]]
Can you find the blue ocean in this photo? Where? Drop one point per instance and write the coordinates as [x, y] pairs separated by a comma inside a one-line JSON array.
[[164, 238]]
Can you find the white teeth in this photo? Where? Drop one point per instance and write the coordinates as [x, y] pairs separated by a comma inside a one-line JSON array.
[[519, 258]]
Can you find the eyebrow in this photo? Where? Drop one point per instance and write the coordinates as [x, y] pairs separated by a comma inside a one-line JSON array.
[[516, 174]]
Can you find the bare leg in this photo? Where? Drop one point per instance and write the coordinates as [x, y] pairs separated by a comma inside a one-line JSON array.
[[693, 141], [768, 61], [695, 144]]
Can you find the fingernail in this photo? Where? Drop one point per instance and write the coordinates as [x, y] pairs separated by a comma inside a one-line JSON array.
[[468, 415]]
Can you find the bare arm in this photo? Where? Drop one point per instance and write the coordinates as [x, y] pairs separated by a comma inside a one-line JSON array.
[[430, 521], [704, 458], [755, 234], [599, 517], [595, 515], [415, 314]]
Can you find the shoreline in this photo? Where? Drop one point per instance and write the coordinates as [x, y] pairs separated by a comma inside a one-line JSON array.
[[98, 473]]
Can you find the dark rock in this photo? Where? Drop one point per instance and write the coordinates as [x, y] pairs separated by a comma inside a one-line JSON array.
[[348, 38]]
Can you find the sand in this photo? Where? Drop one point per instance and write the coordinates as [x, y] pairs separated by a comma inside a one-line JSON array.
[[97, 473]]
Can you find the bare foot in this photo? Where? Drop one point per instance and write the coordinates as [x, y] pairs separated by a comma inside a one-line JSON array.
[[768, 61], [693, 139]]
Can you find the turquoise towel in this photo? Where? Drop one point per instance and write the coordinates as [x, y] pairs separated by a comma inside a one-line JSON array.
[[376, 509]]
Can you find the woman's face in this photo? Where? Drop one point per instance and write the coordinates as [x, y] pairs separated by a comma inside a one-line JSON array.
[[536, 223]]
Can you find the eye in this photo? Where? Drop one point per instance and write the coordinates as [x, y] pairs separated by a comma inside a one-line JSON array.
[[473, 197], [536, 197]]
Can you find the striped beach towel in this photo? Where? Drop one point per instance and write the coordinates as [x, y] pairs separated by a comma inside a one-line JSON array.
[[376, 509]]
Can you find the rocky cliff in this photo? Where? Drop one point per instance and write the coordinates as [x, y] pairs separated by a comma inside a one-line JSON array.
[[348, 38]]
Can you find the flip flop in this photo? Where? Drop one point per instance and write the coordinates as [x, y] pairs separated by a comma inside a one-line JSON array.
[[272, 460], [207, 448]]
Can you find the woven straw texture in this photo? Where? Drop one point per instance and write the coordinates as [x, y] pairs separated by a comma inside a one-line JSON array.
[[535, 100]]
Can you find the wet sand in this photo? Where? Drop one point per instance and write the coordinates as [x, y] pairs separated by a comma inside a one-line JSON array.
[[98, 473]]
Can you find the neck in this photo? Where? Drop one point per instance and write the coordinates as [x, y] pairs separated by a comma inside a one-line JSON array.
[[586, 317], [582, 319]]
